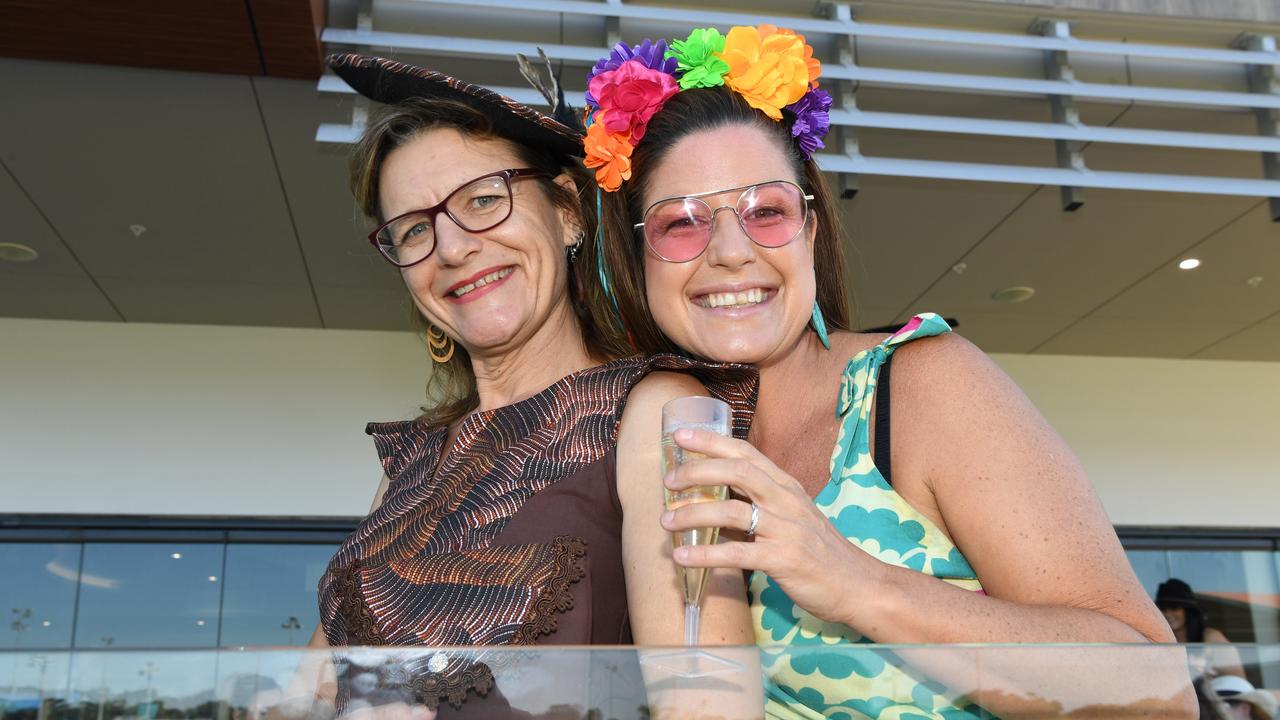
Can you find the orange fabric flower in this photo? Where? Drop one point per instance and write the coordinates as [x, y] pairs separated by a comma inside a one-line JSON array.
[[812, 63], [768, 70], [609, 153]]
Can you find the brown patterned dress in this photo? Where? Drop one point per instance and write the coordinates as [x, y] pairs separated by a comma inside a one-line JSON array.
[[515, 538]]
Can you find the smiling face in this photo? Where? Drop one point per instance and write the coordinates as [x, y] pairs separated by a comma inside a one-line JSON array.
[[1175, 616], [493, 290], [738, 301]]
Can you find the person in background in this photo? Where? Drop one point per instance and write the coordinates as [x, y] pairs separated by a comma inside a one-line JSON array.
[[1244, 701], [974, 524], [1186, 617]]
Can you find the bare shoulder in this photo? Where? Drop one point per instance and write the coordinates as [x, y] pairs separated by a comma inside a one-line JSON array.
[[639, 453], [1214, 635], [943, 353], [946, 375], [658, 387]]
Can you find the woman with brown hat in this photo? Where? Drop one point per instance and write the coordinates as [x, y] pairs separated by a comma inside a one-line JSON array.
[[519, 509]]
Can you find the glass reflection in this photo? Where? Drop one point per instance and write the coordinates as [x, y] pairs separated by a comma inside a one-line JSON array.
[[144, 684], [1151, 567], [141, 595], [34, 685], [270, 597], [1023, 681], [1238, 590], [38, 594]]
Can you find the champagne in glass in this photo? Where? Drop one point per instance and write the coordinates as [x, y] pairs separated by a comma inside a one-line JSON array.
[[700, 413]]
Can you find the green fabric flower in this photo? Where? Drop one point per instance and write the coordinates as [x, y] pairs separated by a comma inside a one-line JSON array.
[[699, 59]]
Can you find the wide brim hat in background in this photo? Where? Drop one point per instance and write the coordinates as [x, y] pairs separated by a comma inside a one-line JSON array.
[[1230, 687], [1176, 593], [390, 82]]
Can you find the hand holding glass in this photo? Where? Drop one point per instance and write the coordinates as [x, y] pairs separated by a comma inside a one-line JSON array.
[[700, 413]]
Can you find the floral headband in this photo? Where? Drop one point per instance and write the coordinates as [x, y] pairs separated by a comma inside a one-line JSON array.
[[772, 68]]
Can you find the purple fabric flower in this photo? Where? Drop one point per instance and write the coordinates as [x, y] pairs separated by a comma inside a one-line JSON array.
[[812, 120], [653, 55]]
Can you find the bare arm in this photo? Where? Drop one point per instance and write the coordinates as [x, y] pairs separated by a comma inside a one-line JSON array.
[[1018, 505], [655, 602], [1223, 660]]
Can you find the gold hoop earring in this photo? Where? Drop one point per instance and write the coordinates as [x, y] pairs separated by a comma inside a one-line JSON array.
[[439, 345]]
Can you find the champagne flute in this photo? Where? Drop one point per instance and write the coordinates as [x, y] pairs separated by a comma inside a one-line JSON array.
[[701, 413]]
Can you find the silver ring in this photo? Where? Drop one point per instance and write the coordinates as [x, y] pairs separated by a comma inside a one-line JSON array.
[[755, 519]]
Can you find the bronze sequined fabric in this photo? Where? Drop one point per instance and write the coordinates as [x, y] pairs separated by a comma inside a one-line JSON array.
[[513, 538]]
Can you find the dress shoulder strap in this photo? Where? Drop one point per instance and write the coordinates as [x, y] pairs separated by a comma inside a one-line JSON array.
[[859, 378], [858, 386]]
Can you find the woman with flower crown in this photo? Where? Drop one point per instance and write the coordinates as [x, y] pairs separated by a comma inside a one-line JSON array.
[[973, 524]]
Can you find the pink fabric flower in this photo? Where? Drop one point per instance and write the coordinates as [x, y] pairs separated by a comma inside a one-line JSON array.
[[631, 94]]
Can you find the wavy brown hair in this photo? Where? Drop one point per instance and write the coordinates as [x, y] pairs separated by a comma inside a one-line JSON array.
[[685, 113], [451, 388]]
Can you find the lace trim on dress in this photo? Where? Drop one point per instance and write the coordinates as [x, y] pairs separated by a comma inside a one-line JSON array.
[[430, 688], [555, 596], [358, 620]]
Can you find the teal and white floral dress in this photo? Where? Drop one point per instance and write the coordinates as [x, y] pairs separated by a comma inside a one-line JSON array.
[[811, 670]]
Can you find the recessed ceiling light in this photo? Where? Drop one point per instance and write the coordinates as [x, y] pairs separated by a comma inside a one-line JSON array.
[[200, 623], [1189, 264], [213, 578], [15, 252], [45, 623], [1015, 294], [176, 556]]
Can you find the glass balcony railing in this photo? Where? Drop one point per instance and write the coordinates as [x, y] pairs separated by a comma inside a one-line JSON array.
[[866, 681]]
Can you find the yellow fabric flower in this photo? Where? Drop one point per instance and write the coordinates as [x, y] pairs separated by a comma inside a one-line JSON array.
[[768, 70], [811, 62]]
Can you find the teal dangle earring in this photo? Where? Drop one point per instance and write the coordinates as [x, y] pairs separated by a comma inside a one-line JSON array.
[[820, 326]]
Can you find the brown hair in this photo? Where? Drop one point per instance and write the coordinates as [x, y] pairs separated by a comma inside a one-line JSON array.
[[451, 388], [685, 113]]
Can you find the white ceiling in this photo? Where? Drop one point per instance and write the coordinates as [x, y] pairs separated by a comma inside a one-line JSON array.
[[249, 220]]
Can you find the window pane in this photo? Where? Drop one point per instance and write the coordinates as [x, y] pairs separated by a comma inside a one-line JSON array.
[[270, 596], [1151, 567], [1237, 589], [149, 595], [37, 594]]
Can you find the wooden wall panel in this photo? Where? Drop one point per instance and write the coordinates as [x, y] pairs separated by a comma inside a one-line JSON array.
[[289, 35], [210, 36], [241, 37]]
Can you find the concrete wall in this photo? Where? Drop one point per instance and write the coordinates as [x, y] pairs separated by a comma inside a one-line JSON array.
[[207, 420], [1166, 442]]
